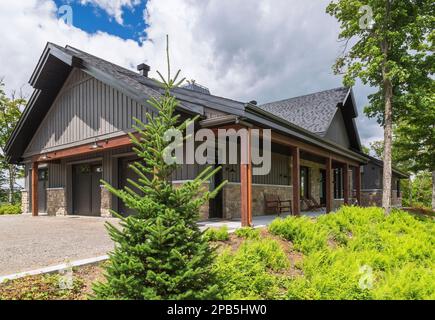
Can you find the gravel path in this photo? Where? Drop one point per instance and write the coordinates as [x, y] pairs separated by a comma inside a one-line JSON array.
[[28, 243]]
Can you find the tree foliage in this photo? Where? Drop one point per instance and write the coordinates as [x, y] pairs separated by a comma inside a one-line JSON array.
[[391, 50], [10, 112], [160, 252]]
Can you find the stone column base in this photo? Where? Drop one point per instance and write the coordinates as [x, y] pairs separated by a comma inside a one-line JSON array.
[[25, 203], [106, 203], [56, 202]]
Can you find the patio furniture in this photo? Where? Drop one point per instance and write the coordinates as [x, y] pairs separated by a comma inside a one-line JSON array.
[[274, 204], [311, 203]]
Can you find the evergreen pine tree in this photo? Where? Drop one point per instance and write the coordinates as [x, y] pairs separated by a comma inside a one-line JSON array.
[[159, 252]]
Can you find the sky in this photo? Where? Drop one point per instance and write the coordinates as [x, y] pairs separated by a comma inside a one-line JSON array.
[[263, 50]]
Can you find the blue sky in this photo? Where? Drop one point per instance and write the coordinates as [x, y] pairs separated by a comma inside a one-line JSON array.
[[92, 18]]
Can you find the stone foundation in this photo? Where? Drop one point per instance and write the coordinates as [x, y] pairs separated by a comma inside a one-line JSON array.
[[373, 198], [231, 198], [56, 202], [25, 203], [106, 203]]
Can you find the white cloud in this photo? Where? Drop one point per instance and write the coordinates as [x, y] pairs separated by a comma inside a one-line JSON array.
[[114, 8], [241, 49]]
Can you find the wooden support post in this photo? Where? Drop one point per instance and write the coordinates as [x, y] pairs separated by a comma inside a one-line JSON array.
[[328, 185], [34, 189], [246, 185], [296, 170], [358, 184], [346, 183]]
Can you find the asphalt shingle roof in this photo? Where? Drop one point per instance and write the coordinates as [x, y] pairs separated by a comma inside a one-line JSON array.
[[313, 112]]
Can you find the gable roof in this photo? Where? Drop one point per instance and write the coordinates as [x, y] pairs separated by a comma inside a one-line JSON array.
[[54, 67], [56, 63], [313, 112]]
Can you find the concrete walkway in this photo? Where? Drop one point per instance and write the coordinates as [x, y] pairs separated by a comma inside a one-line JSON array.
[[258, 221], [27, 243]]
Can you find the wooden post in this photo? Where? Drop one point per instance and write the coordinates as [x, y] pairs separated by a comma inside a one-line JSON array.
[[246, 185], [328, 185], [358, 184], [296, 171], [346, 183], [34, 189]]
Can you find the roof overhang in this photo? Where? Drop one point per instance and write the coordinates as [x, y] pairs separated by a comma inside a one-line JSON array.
[[263, 118]]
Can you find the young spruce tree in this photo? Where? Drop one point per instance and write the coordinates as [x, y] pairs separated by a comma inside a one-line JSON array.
[[160, 252]]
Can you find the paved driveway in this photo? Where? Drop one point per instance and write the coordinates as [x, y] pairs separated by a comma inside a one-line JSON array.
[[27, 243]]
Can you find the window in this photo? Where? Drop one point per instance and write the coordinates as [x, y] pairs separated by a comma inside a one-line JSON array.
[[305, 192], [338, 183]]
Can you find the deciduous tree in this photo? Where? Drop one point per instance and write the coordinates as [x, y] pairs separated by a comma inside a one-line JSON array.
[[389, 41]]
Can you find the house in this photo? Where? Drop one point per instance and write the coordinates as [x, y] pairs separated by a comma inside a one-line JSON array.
[[371, 176], [73, 133]]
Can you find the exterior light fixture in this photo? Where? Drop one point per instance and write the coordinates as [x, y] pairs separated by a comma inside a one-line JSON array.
[[95, 145], [45, 157]]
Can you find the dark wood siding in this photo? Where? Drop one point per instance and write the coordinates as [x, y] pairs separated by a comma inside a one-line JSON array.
[[84, 110], [337, 130]]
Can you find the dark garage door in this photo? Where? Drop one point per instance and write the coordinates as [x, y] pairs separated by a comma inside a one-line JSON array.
[[86, 189]]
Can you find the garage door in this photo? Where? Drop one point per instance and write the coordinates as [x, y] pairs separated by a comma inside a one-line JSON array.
[[86, 189]]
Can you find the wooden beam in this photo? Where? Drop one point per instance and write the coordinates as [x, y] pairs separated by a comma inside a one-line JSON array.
[[246, 186], [328, 185], [87, 148], [346, 183], [34, 186], [296, 171], [290, 142], [249, 179], [358, 184]]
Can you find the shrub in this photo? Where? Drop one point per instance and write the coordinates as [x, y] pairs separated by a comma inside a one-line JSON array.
[[302, 231], [395, 253], [248, 233], [216, 234], [253, 271], [10, 209]]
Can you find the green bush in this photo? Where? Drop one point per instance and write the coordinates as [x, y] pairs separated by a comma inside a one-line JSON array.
[[215, 234], [253, 271], [248, 233], [394, 252], [10, 209]]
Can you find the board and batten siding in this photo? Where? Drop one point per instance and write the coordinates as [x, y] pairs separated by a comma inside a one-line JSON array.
[[85, 109]]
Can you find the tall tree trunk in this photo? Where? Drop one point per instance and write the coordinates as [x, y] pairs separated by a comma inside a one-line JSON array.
[[388, 134], [433, 190], [388, 117]]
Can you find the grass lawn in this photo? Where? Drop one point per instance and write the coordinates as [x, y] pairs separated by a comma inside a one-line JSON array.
[[355, 253]]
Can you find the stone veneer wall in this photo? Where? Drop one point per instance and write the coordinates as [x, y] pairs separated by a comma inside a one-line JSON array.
[[314, 175], [204, 210], [56, 202], [373, 198], [231, 198], [25, 203], [106, 203]]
